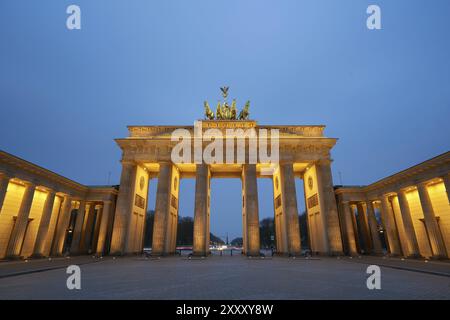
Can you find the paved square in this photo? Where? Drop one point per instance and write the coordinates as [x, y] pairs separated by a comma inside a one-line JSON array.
[[224, 278]]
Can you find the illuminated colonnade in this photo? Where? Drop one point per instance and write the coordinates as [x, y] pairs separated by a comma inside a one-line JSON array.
[[44, 214], [414, 212]]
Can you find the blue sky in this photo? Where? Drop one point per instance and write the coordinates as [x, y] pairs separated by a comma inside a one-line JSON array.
[[67, 94]]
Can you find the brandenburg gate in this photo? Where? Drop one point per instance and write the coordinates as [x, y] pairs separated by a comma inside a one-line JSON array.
[[237, 148], [45, 214]]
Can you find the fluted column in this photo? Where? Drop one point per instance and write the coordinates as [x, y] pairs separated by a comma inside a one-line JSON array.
[[4, 182], [20, 226], [124, 208], [251, 209], [208, 217], [61, 227], [446, 179], [412, 244], [348, 220], [290, 208], [391, 228], [44, 224], [161, 209], [88, 226], [330, 213], [364, 226], [201, 210], [76, 240], [244, 227], [98, 219], [172, 209], [435, 236], [372, 220], [103, 227]]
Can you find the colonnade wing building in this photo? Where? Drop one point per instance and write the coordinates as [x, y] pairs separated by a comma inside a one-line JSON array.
[[410, 209], [45, 214]]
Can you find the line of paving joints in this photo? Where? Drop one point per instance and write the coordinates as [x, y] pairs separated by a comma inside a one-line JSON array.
[[43, 270], [435, 273]]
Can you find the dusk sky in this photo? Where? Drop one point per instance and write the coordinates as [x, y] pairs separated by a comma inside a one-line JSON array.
[[68, 93]]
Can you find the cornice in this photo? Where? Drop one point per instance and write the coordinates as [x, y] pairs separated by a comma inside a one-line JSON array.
[[400, 177], [285, 130], [41, 173]]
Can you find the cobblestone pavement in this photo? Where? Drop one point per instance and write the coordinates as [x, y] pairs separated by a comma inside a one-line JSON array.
[[225, 278]]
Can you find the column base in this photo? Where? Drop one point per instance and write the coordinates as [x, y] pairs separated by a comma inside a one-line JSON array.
[[38, 256], [14, 257], [414, 256], [295, 254], [77, 254], [439, 257], [281, 254], [255, 254], [336, 253], [116, 254], [393, 255], [61, 255]]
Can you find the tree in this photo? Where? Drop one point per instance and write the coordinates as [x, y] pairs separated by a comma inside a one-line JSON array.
[[237, 242], [302, 221], [185, 231], [148, 232], [267, 232], [215, 240]]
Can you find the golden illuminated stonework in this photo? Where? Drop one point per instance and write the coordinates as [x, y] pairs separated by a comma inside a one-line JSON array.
[[45, 214]]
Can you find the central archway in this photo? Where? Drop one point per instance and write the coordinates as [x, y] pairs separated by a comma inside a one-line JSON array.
[[226, 211]]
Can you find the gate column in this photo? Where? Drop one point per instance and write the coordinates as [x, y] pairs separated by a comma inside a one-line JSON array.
[[250, 198], [161, 209], [201, 210]]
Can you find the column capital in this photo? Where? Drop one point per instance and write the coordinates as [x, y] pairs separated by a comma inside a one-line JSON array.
[[402, 190], [49, 190], [327, 161], [422, 184], [285, 162], [4, 175], [29, 184], [385, 196], [67, 197], [128, 163]]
